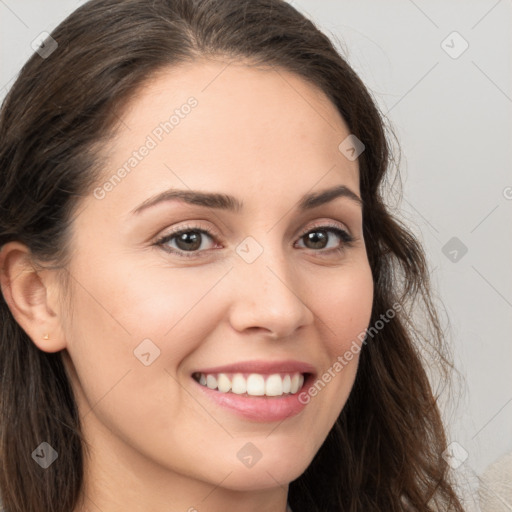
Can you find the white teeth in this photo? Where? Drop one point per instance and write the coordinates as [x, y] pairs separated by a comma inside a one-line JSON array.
[[255, 384], [223, 383], [211, 382], [274, 385], [239, 384], [294, 387], [287, 384]]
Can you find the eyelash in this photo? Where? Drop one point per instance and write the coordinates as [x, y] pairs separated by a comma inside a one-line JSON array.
[[341, 233]]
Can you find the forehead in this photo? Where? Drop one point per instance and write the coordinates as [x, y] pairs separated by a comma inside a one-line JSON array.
[[251, 130]]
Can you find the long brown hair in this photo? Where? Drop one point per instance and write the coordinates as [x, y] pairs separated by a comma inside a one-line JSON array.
[[384, 452]]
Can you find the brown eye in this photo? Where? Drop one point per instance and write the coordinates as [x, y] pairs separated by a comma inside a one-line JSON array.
[[320, 237], [187, 240], [317, 239]]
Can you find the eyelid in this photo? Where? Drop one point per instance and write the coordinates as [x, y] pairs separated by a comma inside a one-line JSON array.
[[210, 231], [324, 224]]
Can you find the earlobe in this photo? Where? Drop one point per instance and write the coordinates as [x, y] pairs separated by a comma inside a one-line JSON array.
[[26, 293]]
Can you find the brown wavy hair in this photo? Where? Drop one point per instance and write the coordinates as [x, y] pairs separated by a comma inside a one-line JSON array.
[[384, 452]]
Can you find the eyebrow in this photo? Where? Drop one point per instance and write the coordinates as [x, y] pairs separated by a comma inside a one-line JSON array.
[[232, 204]]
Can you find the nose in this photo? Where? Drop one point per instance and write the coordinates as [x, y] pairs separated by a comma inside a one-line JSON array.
[[268, 296]]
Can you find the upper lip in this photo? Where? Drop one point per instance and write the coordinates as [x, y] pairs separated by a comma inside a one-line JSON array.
[[263, 367]]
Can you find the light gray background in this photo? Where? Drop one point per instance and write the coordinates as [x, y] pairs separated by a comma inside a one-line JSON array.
[[453, 118]]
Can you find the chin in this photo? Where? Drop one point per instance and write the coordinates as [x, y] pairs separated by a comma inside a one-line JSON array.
[[278, 470]]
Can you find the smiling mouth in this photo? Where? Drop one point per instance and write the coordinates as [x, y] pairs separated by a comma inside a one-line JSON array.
[[253, 384]]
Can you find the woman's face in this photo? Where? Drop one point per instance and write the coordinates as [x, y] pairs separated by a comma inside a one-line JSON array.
[[242, 288]]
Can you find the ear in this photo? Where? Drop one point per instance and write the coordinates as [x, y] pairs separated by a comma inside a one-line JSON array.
[[31, 297]]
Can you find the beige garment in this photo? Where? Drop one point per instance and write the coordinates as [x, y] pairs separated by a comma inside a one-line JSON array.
[[495, 491]]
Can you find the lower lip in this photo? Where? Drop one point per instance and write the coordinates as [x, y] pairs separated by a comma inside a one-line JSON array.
[[259, 408]]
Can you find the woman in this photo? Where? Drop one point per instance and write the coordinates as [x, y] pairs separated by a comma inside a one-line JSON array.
[[206, 304]]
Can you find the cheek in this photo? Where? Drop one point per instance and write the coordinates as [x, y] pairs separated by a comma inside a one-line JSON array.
[[345, 306], [131, 329], [124, 350], [128, 304]]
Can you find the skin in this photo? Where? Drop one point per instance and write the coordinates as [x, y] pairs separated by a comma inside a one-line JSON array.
[[157, 443]]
